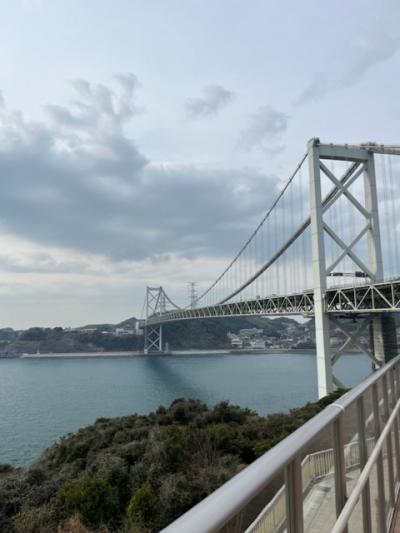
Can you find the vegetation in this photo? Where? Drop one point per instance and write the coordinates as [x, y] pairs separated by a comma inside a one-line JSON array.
[[190, 334], [59, 340], [211, 333], [138, 473]]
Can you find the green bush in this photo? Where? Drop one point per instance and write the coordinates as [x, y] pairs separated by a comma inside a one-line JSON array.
[[34, 520], [143, 508], [34, 334], [91, 498], [173, 447], [223, 437], [136, 474], [5, 469]]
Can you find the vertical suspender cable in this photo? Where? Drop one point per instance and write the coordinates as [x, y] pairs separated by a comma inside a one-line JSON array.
[[389, 252], [394, 218]]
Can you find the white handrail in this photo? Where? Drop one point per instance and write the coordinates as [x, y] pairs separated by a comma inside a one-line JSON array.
[[344, 517], [315, 466], [218, 508]]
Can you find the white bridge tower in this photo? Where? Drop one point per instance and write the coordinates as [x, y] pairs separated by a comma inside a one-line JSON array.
[[155, 305], [360, 167]]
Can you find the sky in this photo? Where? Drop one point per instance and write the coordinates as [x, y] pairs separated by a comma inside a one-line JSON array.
[[142, 141]]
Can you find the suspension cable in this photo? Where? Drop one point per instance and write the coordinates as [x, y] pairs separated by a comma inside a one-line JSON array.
[[291, 240], [256, 230]]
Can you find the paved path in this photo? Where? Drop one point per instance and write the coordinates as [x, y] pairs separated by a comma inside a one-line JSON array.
[[396, 526], [319, 505]]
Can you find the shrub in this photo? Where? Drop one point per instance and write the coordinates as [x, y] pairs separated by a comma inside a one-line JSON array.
[[225, 412], [91, 498], [143, 508], [173, 447], [223, 437], [138, 473], [73, 525], [33, 334], [34, 520], [5, 469]]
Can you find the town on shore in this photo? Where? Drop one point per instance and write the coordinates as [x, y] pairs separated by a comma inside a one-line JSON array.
[[127, 337]]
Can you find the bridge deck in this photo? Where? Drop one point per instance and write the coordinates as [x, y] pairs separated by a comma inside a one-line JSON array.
[[358, 299]]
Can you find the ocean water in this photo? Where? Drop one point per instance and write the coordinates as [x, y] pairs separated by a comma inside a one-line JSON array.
[[42, 399]]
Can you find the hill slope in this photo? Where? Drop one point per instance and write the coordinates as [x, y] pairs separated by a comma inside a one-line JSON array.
[[138, 473]]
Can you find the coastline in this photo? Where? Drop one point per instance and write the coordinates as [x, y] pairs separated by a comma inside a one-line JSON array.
[[176, 353], [94, 355], [76, 355]]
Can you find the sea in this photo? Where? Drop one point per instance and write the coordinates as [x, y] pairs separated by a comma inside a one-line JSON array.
[[44, 398]]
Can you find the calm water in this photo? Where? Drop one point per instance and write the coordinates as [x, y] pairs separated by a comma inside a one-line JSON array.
[[43, 399]]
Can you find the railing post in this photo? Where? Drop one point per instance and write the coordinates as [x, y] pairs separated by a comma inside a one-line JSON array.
[[395, 396], [366, 495], [339, 462], [379, 462], [160, 339], [396, 377], [294, 497], [389, 445]]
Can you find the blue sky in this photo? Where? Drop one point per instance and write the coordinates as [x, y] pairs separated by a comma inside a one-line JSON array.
[[140, 141]]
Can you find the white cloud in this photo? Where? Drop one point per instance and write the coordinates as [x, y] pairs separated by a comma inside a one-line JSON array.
[[79, 182], [215, 98], [370, 46], [265, 128]]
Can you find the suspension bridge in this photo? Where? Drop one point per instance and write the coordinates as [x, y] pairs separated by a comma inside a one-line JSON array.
[[326, 248]]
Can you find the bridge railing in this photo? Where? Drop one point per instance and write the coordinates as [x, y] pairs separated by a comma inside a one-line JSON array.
[[303, 484], [314, 467]]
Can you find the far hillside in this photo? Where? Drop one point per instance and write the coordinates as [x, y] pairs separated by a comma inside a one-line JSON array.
[[207, 334]]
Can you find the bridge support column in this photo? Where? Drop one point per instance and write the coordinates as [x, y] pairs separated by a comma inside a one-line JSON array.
[[383, 337], [360, 165], [322, 337], [155, 305], [153, 339]]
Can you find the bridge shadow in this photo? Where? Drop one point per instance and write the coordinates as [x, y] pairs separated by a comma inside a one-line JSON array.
[[172, 379]]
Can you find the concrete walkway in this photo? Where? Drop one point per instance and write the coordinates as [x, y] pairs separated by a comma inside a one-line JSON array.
[[320, 511], [396, 521]]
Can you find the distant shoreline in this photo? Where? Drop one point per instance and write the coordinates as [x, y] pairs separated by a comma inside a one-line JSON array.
[[102, 355], [78, 354], [94, 355]]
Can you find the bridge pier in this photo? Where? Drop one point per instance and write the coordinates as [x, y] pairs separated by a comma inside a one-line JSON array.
[[322, 340], [155, 304], [384, 337], [153, 342], [381, 345], [361, 166]]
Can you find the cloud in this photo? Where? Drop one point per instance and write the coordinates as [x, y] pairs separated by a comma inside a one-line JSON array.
[[34, 3], [372, 45], [97, 107], [317, 89], [265, 128], [215, 98], [379, 44], [77, 181]]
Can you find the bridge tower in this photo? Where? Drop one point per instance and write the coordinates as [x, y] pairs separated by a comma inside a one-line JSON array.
[[361, 167], [155, 305], [192, 294]]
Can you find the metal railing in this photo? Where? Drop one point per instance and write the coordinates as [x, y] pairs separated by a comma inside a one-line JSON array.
[[373, 448], [314, 467]]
